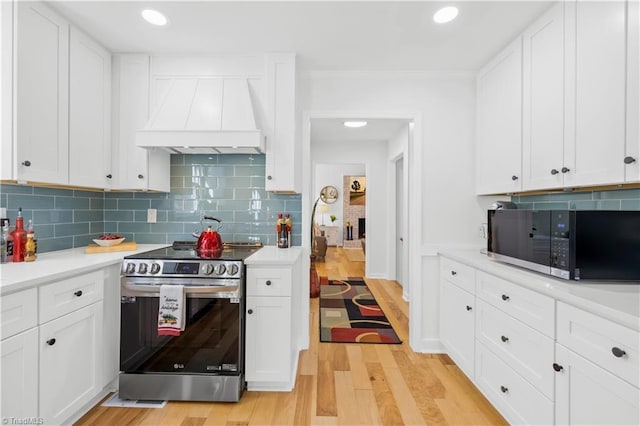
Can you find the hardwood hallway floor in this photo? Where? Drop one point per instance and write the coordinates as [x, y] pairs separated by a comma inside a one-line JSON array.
[[341, 384]]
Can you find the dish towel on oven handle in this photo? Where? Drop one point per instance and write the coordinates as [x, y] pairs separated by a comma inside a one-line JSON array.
[[171, 313]]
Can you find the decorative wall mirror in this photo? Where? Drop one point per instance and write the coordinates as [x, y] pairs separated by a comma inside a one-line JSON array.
[[329, 194]]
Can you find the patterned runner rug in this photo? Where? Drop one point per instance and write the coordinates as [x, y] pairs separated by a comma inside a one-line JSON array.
[[350, 314]]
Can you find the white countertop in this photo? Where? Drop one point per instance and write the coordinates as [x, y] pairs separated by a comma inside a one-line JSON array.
[[57, 265], [616, 301], [272, 255]]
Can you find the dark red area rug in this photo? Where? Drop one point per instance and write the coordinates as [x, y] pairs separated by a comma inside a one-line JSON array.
[[350, 314]]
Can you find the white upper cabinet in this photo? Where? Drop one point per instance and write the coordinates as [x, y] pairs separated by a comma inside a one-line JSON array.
[[89, 113], [543, 101], [282, 152], [595, 92], [632, 154], [134, 167], [42, 84], [6, 92], [499, 126]]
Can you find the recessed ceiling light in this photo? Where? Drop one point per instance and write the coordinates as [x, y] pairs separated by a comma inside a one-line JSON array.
[[355, 123], [154, 17], [446, 14]]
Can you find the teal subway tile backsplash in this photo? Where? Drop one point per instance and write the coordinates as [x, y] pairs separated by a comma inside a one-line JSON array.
[[621, 199], [228, 187]]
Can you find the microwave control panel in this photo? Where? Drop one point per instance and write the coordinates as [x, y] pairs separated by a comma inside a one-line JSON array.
[[560, 231]]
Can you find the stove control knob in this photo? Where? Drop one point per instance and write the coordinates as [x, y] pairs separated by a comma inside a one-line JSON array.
[[220, 269], [142, 268], [155, 268], [233, 269], [208, 269], [130, 268]]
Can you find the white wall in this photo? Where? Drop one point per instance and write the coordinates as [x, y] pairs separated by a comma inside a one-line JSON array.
[[331, 173], [374, 156], [451, 213], [398, 147]]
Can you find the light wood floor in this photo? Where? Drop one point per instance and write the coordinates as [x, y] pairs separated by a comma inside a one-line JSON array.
[[341, 384]]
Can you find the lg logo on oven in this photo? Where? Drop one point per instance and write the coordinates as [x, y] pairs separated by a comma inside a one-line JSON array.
[[178, 366]]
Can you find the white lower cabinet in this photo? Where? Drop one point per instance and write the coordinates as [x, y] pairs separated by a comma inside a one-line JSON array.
[[20, 375], [70, 363], [588, 394], [457, 324]]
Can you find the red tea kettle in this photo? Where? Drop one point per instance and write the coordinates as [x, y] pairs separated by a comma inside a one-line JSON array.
[[209, 241]]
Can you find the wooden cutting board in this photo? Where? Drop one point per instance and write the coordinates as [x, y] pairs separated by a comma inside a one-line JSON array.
[[123, 246]]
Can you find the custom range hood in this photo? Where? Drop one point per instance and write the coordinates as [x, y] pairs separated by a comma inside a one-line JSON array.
[[203, 116]]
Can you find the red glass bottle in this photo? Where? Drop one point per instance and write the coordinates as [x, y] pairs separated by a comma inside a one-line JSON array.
[[19, 238]]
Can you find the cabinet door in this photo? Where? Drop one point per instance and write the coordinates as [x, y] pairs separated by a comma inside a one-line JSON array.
[[20, 375], [632, 154], [89, 113], [282, 164], [42, 95], [268, 339], [596, 91], [70, 359], [587, 394], [499, 130], [543, 101], [6, 90], [457, 323]]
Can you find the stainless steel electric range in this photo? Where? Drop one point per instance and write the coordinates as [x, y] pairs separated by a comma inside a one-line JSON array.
[[206, 361]]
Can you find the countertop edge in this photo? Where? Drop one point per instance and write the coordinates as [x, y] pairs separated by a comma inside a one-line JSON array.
[[273, 256], [556, 288]]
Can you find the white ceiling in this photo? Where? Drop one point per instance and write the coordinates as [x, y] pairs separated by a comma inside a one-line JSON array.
[[325, 35]]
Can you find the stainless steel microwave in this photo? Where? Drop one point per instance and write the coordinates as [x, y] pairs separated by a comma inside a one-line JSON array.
[[570, 244]]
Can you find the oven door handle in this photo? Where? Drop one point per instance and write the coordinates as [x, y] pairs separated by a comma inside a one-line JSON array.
[[141, 288]]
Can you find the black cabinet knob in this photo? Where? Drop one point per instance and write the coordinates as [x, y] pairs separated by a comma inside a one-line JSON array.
[[514, 177], [505, 339], [504, 389], [269, 177], [505, 297], [454, 273], [250, 311], [469, 308], [629, 160], [268, 282], [109, 176], [617, 352], [140, 177], [554, 172], [26, 163], [557, 367], [51, 342], [78, 293], [565, 170]]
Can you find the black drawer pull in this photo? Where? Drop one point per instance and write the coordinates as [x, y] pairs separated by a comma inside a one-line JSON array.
[[51, 342], [557, 367], [454, 273], [250, 311], [504, 389], [505, 297], [78, 293], [505, 339], [268, 282], [469, 308], [617, 352]]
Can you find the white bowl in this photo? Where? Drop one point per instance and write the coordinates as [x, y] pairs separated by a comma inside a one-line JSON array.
[[108, 243]]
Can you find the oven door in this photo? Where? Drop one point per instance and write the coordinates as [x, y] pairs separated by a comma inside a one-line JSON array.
[[212, 342]]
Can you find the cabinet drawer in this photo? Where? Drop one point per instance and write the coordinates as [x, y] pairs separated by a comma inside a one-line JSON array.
[[524, 349], [19, 312], [534, 309], [461, 275], [516, 399], [269, 282], [605, 343], [63, 297]]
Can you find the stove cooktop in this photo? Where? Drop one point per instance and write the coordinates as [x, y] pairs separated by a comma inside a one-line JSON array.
[[186, 250]]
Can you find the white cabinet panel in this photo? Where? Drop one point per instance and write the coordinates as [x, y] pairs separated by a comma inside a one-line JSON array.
[[6, 90], [19, 364], [42, 84], [461, 275], [499, 125], [588, 395], [269, 282], [632, 154], [19, 312], [543, 101], [62, 297], [89, 113], [70, 362], [457, 325], [111, 325]]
